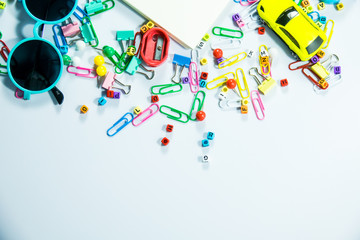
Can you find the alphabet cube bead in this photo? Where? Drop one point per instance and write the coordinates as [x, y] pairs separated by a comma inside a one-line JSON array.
[[205, 143], [202, 83], [244, 102], [84, 109], [102, 101], [220, 60], [2, 5], [339, 6], [236, 17], [321, 6], [225, 89], [250, 53], [206, 37], [319, 24], [185, 80], [323, 83], [322, 19], [204, 75], [117, 95], [337, 70], [205, 159], [222, 96], [305, 3], [315, 59], [165, 141], [154, 98], [264, 60], [284, 82], [110, 94], [321, 54], [144, 29], [137, 110], [210, 136], [169, 128], [244, 109], [203, 61], [201, 44], [261, 30], [150, 25]]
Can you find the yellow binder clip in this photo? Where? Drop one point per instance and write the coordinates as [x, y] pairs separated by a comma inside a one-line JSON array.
[[265, 86], [246, 87]]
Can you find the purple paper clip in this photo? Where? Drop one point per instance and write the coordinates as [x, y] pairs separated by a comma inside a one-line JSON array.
[[150, 112], [257, 99], [90, 73], [194, 77]]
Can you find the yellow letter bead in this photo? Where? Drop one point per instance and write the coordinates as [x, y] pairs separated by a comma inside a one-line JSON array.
[[144, 29], [2, 5], [309, 9], [206, 37], [203, 61], [244, 109], [319, 24], [267, 85], [244, 102], [84, 109], [323, 83], [321, 54], [101, 71], [264, 60], [339, 6], [99, 60], [131, 51], [321, 6], [137, 110], [150, 25], [225, 89]]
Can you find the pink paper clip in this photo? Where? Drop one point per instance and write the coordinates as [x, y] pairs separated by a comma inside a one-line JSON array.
[[194, 80], [257, 99], [90, 73], [5, 51], [149, 111], [71, 30]]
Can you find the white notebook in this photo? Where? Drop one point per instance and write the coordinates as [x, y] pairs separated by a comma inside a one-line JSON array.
[[187, 21]]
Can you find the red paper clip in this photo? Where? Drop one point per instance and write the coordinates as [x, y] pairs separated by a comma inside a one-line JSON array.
[[4, 51], [324, 86]]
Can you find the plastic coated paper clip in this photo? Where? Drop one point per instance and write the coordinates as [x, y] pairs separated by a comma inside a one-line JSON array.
[[122, 122], [226, 32], [86, 72], [62, 44], [194, 77], [255, 98], [166, 89], [174, 114], [146, 114], [199, 101]]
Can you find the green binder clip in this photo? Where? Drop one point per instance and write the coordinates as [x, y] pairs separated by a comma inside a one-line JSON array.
[[88, 32], [198, 100], [166, 89], [96, 7], [174, 114], [125, 36], [134, 65]]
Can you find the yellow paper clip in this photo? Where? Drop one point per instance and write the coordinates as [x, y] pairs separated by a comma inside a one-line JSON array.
[[265, 66], [221, 80], [246, 87], [265, 86], [331, 32], [233, 60]]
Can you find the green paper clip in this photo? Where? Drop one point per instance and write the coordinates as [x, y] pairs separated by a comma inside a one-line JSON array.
[[221, 34], [3, 66], [179, 114], [88, 32], [200, 102], [0, 35], [169, 88], [97, 7]]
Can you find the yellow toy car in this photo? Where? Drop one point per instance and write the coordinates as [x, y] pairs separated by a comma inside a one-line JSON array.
[[293, 26]]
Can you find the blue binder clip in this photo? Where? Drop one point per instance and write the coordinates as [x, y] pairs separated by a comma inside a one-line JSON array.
[[181, 61]]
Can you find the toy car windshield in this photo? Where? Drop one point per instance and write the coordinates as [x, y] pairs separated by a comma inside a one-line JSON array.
[[286, 16], [314, 45]]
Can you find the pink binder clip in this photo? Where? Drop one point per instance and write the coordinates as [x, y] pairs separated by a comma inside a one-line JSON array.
[[257, 99], [71, 30], [194, 77], [89, 73], [146, 114], [110, 80]]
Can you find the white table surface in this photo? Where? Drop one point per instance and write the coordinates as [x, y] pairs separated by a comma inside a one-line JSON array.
[[294, 175]]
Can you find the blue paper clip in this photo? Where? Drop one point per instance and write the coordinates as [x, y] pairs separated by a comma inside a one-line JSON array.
[[63, 47], [181, 61], [81, 12], [126, 119]]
